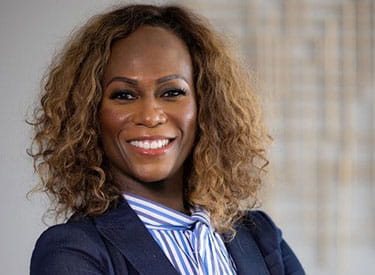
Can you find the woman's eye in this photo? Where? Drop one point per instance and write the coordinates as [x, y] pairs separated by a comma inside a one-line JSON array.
[[123, 95], [173, 93]]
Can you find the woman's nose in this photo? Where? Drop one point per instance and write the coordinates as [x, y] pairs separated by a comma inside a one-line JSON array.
[[150, 114]]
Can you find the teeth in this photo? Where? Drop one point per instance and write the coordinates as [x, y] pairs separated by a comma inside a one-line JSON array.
[[148, 144]]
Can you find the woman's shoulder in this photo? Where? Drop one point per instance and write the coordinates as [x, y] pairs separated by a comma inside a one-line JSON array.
[[259, 221], [82, 230], [75, 242], [262, 228], [271, 243], [260, 216]]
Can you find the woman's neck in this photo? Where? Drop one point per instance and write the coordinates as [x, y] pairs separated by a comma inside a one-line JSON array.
[[168, 192]]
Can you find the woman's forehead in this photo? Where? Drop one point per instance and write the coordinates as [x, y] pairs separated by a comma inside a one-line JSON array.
[[149, 51]]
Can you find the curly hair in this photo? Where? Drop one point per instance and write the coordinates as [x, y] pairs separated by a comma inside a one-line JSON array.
[[226, 164]]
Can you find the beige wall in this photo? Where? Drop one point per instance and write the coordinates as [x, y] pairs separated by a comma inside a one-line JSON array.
[[315, 64]]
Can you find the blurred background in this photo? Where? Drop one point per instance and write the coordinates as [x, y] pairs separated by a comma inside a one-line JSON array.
[[314, 62]]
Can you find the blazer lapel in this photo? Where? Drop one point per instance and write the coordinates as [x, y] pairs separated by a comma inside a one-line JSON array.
[[122, 227], [246, 254]]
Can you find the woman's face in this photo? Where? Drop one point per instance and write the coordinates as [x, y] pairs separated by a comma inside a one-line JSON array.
[[148, 111]]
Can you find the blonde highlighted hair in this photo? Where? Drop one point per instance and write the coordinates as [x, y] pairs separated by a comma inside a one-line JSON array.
[[223, 173]]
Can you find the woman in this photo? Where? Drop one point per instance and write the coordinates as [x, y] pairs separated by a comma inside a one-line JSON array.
[[149, 133]]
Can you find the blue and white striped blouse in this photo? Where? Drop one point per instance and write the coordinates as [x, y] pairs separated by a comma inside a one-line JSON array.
[[189, 242]]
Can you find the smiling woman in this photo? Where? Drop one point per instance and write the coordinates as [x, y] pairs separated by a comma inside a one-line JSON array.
[[149, 137]]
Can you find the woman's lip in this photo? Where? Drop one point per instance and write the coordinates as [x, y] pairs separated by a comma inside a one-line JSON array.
[[143, 138], [152, 152]]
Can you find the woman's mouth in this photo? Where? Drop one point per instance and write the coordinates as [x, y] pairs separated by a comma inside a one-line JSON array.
[[150, 144], [151, 147]]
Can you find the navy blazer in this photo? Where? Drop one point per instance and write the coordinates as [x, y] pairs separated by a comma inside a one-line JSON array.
[[118, 243]]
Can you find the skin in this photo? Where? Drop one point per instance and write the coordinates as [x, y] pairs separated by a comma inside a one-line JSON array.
[[149, 92]]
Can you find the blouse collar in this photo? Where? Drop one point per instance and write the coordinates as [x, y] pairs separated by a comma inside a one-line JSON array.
[[157, 216]]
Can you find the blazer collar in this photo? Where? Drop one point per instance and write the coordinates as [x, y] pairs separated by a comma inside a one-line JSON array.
[[246, 254], [122, 227]]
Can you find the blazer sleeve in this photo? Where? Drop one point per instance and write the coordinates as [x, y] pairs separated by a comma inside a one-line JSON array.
[[279, 257], [69, 249]]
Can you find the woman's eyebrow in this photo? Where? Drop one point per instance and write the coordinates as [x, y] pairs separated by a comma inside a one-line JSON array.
[[135, 82], [123, 79], [170, 77]]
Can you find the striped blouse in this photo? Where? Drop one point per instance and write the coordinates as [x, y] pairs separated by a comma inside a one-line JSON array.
[[189, 242]]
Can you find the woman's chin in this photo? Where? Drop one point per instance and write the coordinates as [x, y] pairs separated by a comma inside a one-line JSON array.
[[151, 177], [153, 172]]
